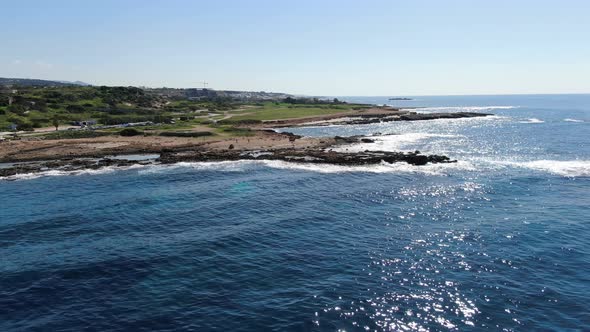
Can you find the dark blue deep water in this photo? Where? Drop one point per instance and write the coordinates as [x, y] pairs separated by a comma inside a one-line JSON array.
[[498, 241]]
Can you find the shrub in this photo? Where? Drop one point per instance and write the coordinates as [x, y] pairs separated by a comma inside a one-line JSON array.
[[186, 134], [240, 122], [75, 109], [26, 126], [130, 132], [17, 109], [72, 134], [239, 131]]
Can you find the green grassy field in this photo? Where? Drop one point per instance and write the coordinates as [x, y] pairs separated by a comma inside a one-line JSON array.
[[273, 111]]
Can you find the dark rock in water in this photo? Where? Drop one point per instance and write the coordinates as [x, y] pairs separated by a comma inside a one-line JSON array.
[[418, 160], [353, 139], [292, 137]]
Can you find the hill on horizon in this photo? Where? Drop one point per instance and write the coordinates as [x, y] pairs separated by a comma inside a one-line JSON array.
[[38, 82]]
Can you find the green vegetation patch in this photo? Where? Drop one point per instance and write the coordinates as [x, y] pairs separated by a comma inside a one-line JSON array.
[[234, 131], [287, 112], [73, 134], [235, 121], [186, 133], [130, 132]]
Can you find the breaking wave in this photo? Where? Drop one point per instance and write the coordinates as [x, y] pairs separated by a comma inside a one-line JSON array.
[[393, 142], [55, 172], [568, 168], [532, 120], [572, 120], [572, 168], [250, 165], [401, 167]]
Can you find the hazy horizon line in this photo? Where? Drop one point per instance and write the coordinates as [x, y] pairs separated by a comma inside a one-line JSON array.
[[315, 95]]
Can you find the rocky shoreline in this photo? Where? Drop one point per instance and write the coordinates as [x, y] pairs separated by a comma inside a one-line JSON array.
[[307, 156], [67, 165]]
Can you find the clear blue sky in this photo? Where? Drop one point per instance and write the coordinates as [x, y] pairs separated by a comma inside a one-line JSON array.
[[316, 47]]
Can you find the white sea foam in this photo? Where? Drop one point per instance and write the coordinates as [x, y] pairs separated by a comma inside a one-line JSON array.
[[569, 168], [223, 166], [460, 108], [248, 165], [402, 167], [572, 120], [104, 170], [393, 142], [572, 168], [532, 120]]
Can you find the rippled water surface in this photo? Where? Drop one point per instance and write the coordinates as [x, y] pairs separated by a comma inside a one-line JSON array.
[[498, 241]]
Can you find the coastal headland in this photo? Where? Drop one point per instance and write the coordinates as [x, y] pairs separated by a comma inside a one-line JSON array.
[[175, 129]]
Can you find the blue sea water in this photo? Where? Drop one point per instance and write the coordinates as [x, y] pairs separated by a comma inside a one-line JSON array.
[[498, 241]]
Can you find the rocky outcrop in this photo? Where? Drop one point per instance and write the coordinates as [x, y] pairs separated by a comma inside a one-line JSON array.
[[308, 156], [313, 156]]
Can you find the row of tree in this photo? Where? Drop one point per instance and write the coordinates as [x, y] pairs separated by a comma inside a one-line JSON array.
[[310, 101]]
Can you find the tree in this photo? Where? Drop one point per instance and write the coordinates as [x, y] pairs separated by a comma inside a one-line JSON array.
[[56, 122], [17, 109], [3, 100], [289, 100], [75, 109]]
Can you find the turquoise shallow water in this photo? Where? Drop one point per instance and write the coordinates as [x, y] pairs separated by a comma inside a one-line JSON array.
[[498, 241]]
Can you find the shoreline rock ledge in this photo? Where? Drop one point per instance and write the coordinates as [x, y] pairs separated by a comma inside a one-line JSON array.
[[307, 156], [312, 156]]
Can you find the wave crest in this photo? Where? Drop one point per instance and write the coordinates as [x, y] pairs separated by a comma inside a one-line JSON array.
[[532, 120], [569, 168], [55, 172]]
